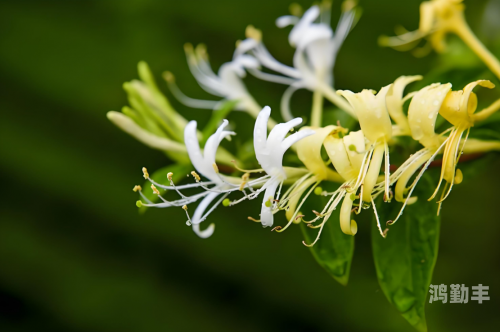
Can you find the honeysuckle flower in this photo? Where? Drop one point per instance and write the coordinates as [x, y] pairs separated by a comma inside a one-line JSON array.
[[376, 125], [458, 108], [218, 186], [227, 83], [317, 47], [269, 151], [437, 19]]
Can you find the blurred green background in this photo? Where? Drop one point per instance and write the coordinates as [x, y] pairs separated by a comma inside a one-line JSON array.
[[75, 255]]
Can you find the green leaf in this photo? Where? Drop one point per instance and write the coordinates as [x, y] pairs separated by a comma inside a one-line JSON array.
[[216, 118], [405, 259], [334, 250], [179, 172]]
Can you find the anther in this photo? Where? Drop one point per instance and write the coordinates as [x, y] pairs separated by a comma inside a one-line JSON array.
[[299, 216], [385, 232], [196, 176], [145, 173], [389, 223], [137, 188], [169, 176], [156, 191], [253, 219], [277, 228], [185, 207], [216, 169]]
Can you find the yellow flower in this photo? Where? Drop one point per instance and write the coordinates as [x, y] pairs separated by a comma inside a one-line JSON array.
[[458, 108], [376, 125], [437, 19]]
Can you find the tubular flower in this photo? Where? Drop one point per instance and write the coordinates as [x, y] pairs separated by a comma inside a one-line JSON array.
[[458, 108], [437, 19], [269, 151], [204, 163], [316, 46], [227, 83], [376, 125]]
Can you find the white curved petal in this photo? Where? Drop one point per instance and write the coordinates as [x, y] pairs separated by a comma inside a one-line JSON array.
[[247, 61], [284, 21], [260, 129], [200, 209], [279, 132], [213, 143], [192, 145], [294, 138], [266, 214], [286, 113], [313, 33], [300, 28], [245, 46], [204, 234]]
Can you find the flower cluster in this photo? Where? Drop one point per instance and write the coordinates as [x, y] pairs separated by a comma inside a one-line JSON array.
[[357, 160]]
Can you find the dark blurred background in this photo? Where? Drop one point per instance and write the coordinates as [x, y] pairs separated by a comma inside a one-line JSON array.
[[75, 255]]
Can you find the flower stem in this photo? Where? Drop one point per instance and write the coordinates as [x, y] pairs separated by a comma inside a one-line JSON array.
[[332, 96], [317, 109], [466, 34]]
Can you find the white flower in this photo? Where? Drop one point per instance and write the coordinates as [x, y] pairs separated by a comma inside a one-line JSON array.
[[227, 83], [204, 163], [316, 51], [269, 151]]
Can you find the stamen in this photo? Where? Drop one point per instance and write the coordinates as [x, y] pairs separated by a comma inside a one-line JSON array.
[[216, 169], [253, 219], [145, 173], [188, 222], [383, 233], [137, 188], [169, 176], [156, 191], [260, 170], [195, 176], [244, 180]]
